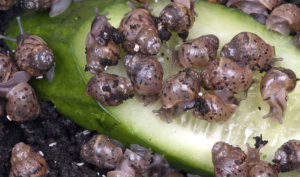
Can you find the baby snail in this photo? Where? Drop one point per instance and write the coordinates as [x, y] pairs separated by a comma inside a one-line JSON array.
[[22, 104], [6, 4], [101, 151], [229, 161], [26, 163], [141, 35], [179, 93], [146, 74], [179, 16], [274, 89], [197, 52], [250, 50], [216, 108], [7, 68], [33, 54], [284, 19], [109, 89], [287, 157], [256, 8], [56, 6], [101, 50], [226, 74]]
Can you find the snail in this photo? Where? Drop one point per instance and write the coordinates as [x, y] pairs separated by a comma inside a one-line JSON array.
[[109, 89], [179, 16], [275, 86], [26, 163], [284, 19], [7, 68], [229, 161], [226, 74], [257, 167], [22, 104], [256, 8], [56, 6], [101, 151], [138, 161], [296, 40], [250, 50], [146, 74], [179, 93], [124, 170], [159, 166], [6, 4], [140, 34], [101, 50], [287, 157], [197, 52], [215, 108], [33, 55]]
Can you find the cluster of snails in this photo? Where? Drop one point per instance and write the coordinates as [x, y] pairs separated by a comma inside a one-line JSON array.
[[230, 160], [105, 152], [56, 6], [229, 75], [33, 58], [278, 15]]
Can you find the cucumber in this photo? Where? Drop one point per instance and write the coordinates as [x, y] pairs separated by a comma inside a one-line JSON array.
[[187, 141]]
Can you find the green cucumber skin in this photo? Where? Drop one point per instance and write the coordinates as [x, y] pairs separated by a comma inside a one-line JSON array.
[[67, 90]]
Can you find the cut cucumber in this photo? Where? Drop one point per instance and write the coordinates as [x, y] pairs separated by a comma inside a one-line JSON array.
[[187, 141]]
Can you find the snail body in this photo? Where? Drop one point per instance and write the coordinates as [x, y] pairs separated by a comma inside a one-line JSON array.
[[198, 52], [250, 50], [275, 86], [140, 33], [27, 163], [102, 152], [226, 74], [146, 74], [284, 19]]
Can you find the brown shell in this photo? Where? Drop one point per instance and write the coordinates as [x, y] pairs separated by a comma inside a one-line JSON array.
[[284, 19], [275, 86], [100, 29], [198, 52], [7, 68], [109, 89], [174, 174], [140, 32], [36, 4], [22, 103], [212, 108], [102, 152], [177, 17], [123, 170], [250, 50], [98, 56], [226, 74], [6, 4], [137, 161], [146, 74], [229, 161], [262, 169], [296, 40], [25, 162], [288, 156], [180, 88], [33, 55]]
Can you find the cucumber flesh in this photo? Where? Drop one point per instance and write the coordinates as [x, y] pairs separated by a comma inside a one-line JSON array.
[[187, 141]]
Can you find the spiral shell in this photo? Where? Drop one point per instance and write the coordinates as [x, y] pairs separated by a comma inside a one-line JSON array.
[[6, 4], [284, 19], [22, 103], [274, 89], [33, 55], [25, 162]]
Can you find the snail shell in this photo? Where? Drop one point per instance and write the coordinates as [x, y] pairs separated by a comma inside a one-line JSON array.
[[37, 4], [101, 28], [123, 170], [140, 32], [249, 50], [25, 162], [22, 103], [6, 4], [102, 152], [177, 17], [229, 160], [109, 89], [296, 40], [275, 86], [198, 52], [137, 160], [288, 156], [284, 19], [33, 55], [226, 74], [7, 68]]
